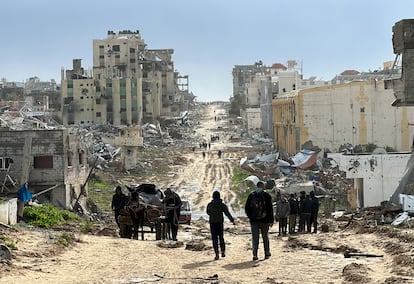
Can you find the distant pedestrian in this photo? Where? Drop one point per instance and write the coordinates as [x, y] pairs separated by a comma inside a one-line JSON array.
[[259, 210], [215, 209], [219, 154], [282, 213], [204, 155]]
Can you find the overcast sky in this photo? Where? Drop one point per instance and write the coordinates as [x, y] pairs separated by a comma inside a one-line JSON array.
[[208, 37]]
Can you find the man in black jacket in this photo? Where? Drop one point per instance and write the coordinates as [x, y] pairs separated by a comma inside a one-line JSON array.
[[306, 209], [315, 209], [294, 210], [215, 209], [172, 205], [259, 210], [119, 200]]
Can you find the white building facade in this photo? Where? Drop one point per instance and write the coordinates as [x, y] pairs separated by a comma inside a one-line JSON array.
[[376, 177]]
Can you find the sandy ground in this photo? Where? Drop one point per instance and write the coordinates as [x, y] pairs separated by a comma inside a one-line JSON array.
[[301, 258]]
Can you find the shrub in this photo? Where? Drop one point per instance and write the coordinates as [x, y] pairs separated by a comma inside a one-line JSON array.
[[237, 184], [65, 239], [8, 242], [47, 215]]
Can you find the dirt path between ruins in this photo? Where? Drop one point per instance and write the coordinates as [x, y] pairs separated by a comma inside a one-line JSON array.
[[304, 258]]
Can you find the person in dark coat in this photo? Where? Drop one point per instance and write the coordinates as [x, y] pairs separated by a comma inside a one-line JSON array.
[[315, 209], [294, 210], [172, 205], [261, 225], [307, 208], [119, 200], [215, 209]]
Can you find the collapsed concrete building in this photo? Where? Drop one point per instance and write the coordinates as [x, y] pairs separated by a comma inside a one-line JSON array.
[[53, 162]]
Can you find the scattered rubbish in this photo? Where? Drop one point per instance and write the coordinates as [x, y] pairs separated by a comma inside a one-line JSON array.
[[304, 159], [400, 218]]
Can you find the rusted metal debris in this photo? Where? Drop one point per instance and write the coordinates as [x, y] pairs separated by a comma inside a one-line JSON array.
[[349, 254]]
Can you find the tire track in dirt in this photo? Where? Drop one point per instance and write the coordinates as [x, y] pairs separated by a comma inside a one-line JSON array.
[[197, 180]]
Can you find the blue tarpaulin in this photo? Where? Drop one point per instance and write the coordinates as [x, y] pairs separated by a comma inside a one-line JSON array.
[[24, 194]]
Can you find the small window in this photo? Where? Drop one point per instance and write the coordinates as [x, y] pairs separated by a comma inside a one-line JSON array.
[[81, 156], [116, 48], [5, 163], [70, 156], [43, 162], [98, 114], [67, 100]]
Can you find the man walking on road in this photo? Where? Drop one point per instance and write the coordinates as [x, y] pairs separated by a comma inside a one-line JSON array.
[[259, 210], [215, 210]]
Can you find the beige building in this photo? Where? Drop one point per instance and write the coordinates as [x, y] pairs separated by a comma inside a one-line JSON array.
[[252, 119], [358, 113], [129, 85], [129, 139]]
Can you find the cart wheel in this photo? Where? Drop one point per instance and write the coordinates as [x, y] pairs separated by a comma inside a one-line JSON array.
[[157, 230], [125, 231]]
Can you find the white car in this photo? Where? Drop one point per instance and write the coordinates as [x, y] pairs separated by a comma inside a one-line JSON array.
[[185, 213]]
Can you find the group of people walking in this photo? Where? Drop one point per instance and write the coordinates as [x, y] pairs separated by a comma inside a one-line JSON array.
[[171, 205], [259, 210]]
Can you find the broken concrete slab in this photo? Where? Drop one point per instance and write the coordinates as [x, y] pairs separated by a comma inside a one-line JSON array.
[[5, 252]]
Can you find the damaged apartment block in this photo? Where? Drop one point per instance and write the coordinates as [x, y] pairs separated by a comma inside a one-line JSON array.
[[52, 161]]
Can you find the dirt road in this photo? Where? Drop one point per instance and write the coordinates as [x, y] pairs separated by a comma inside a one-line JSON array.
[[302, 258]]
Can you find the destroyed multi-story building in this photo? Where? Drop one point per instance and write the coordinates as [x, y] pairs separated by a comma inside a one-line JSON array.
[[129, 84], [249, 81], [52, 162], [258, 84], [42, 96]]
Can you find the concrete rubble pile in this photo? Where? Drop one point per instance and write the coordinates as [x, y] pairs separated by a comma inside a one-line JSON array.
[[329, 184], [289, 177], [25, 119]]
